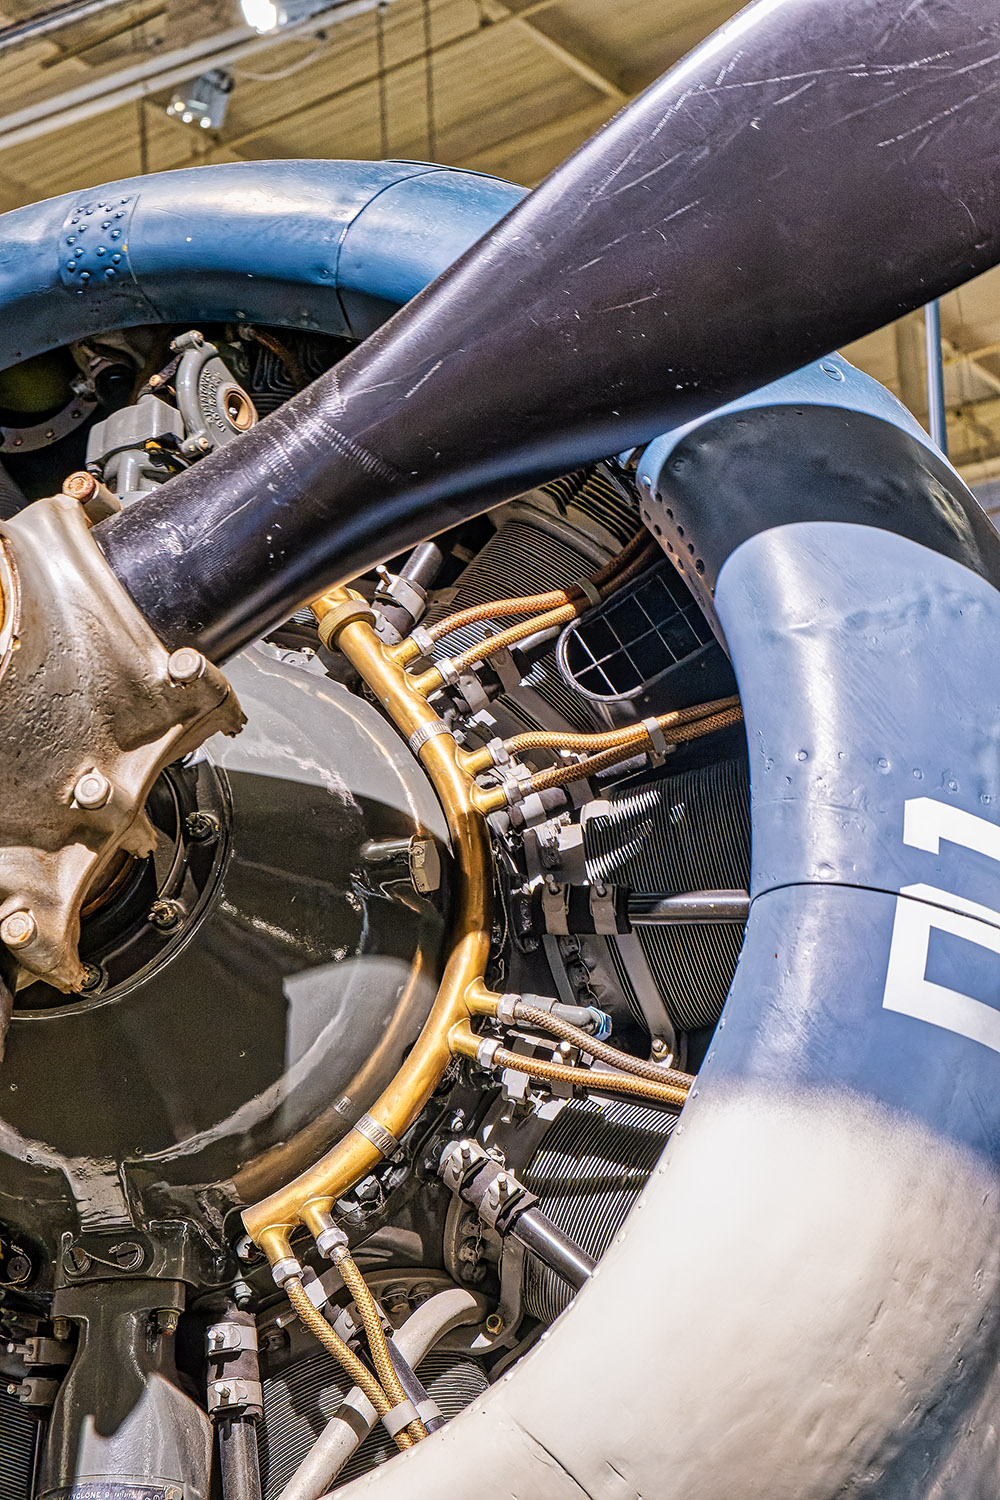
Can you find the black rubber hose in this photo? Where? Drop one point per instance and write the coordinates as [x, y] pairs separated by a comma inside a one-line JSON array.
[[238, 1459], [808, 174]]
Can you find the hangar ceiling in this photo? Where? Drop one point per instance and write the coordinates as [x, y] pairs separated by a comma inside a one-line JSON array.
[[502, 86]]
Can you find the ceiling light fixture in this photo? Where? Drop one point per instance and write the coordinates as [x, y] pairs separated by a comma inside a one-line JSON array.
[[271, 15], [204, 101]]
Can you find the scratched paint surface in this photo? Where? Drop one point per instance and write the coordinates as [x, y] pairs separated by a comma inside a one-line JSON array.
[[809, 173]]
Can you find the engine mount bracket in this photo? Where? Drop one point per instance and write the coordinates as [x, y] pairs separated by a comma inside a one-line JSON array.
[[92, 707]]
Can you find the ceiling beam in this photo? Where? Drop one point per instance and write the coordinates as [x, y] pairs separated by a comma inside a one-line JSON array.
[[322, 101], [497, 12]]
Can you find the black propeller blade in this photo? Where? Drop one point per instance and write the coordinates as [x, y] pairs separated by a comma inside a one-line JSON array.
[[812, 171]]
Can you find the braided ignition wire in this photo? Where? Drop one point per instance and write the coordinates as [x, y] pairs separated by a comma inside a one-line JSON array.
[[592, 1078], [543, 1020], [345, 1357]]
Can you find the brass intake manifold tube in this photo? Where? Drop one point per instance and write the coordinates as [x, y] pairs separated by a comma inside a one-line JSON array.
[[346, 623], [309, 1198]]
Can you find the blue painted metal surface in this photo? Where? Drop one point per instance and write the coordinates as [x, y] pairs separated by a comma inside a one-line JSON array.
[[832, 381], [825, 443], [335, 246], [871, 685]]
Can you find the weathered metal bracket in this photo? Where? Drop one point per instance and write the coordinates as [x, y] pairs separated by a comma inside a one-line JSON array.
[[92, 707]]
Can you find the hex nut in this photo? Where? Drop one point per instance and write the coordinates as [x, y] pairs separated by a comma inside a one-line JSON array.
[[185, 665], [92, 791], [18, 929]]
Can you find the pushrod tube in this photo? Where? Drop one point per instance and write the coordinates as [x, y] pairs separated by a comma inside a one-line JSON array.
[[761, 204], [537, 1233], [692, 908]]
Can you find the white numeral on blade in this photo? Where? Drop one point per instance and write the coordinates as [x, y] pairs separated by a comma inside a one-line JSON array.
[[907, 988]]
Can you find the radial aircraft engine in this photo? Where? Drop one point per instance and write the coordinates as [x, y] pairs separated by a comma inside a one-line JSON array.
[[499, 834]]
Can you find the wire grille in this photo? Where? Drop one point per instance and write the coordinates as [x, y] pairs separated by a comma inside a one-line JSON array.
[[682, 833], [622, 646], [18, 1436], [300, 1401], [588, 1172]]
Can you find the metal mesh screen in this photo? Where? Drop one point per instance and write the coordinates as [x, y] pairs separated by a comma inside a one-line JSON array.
[[525, 559], [645, 630]]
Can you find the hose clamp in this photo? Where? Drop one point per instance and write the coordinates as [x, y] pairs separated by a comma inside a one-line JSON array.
[[399, 1417], [426, 732], [234, 1395], [231, 1338], [339, 616], [589, 590], [661, 747], [377, 1135], [458, 1161]]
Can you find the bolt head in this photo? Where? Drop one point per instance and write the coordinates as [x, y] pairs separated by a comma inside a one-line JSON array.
[[17, 930], [18, 1269], [165, 914], [185, 665], [80, 486], [200, 826], [92, 791]]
